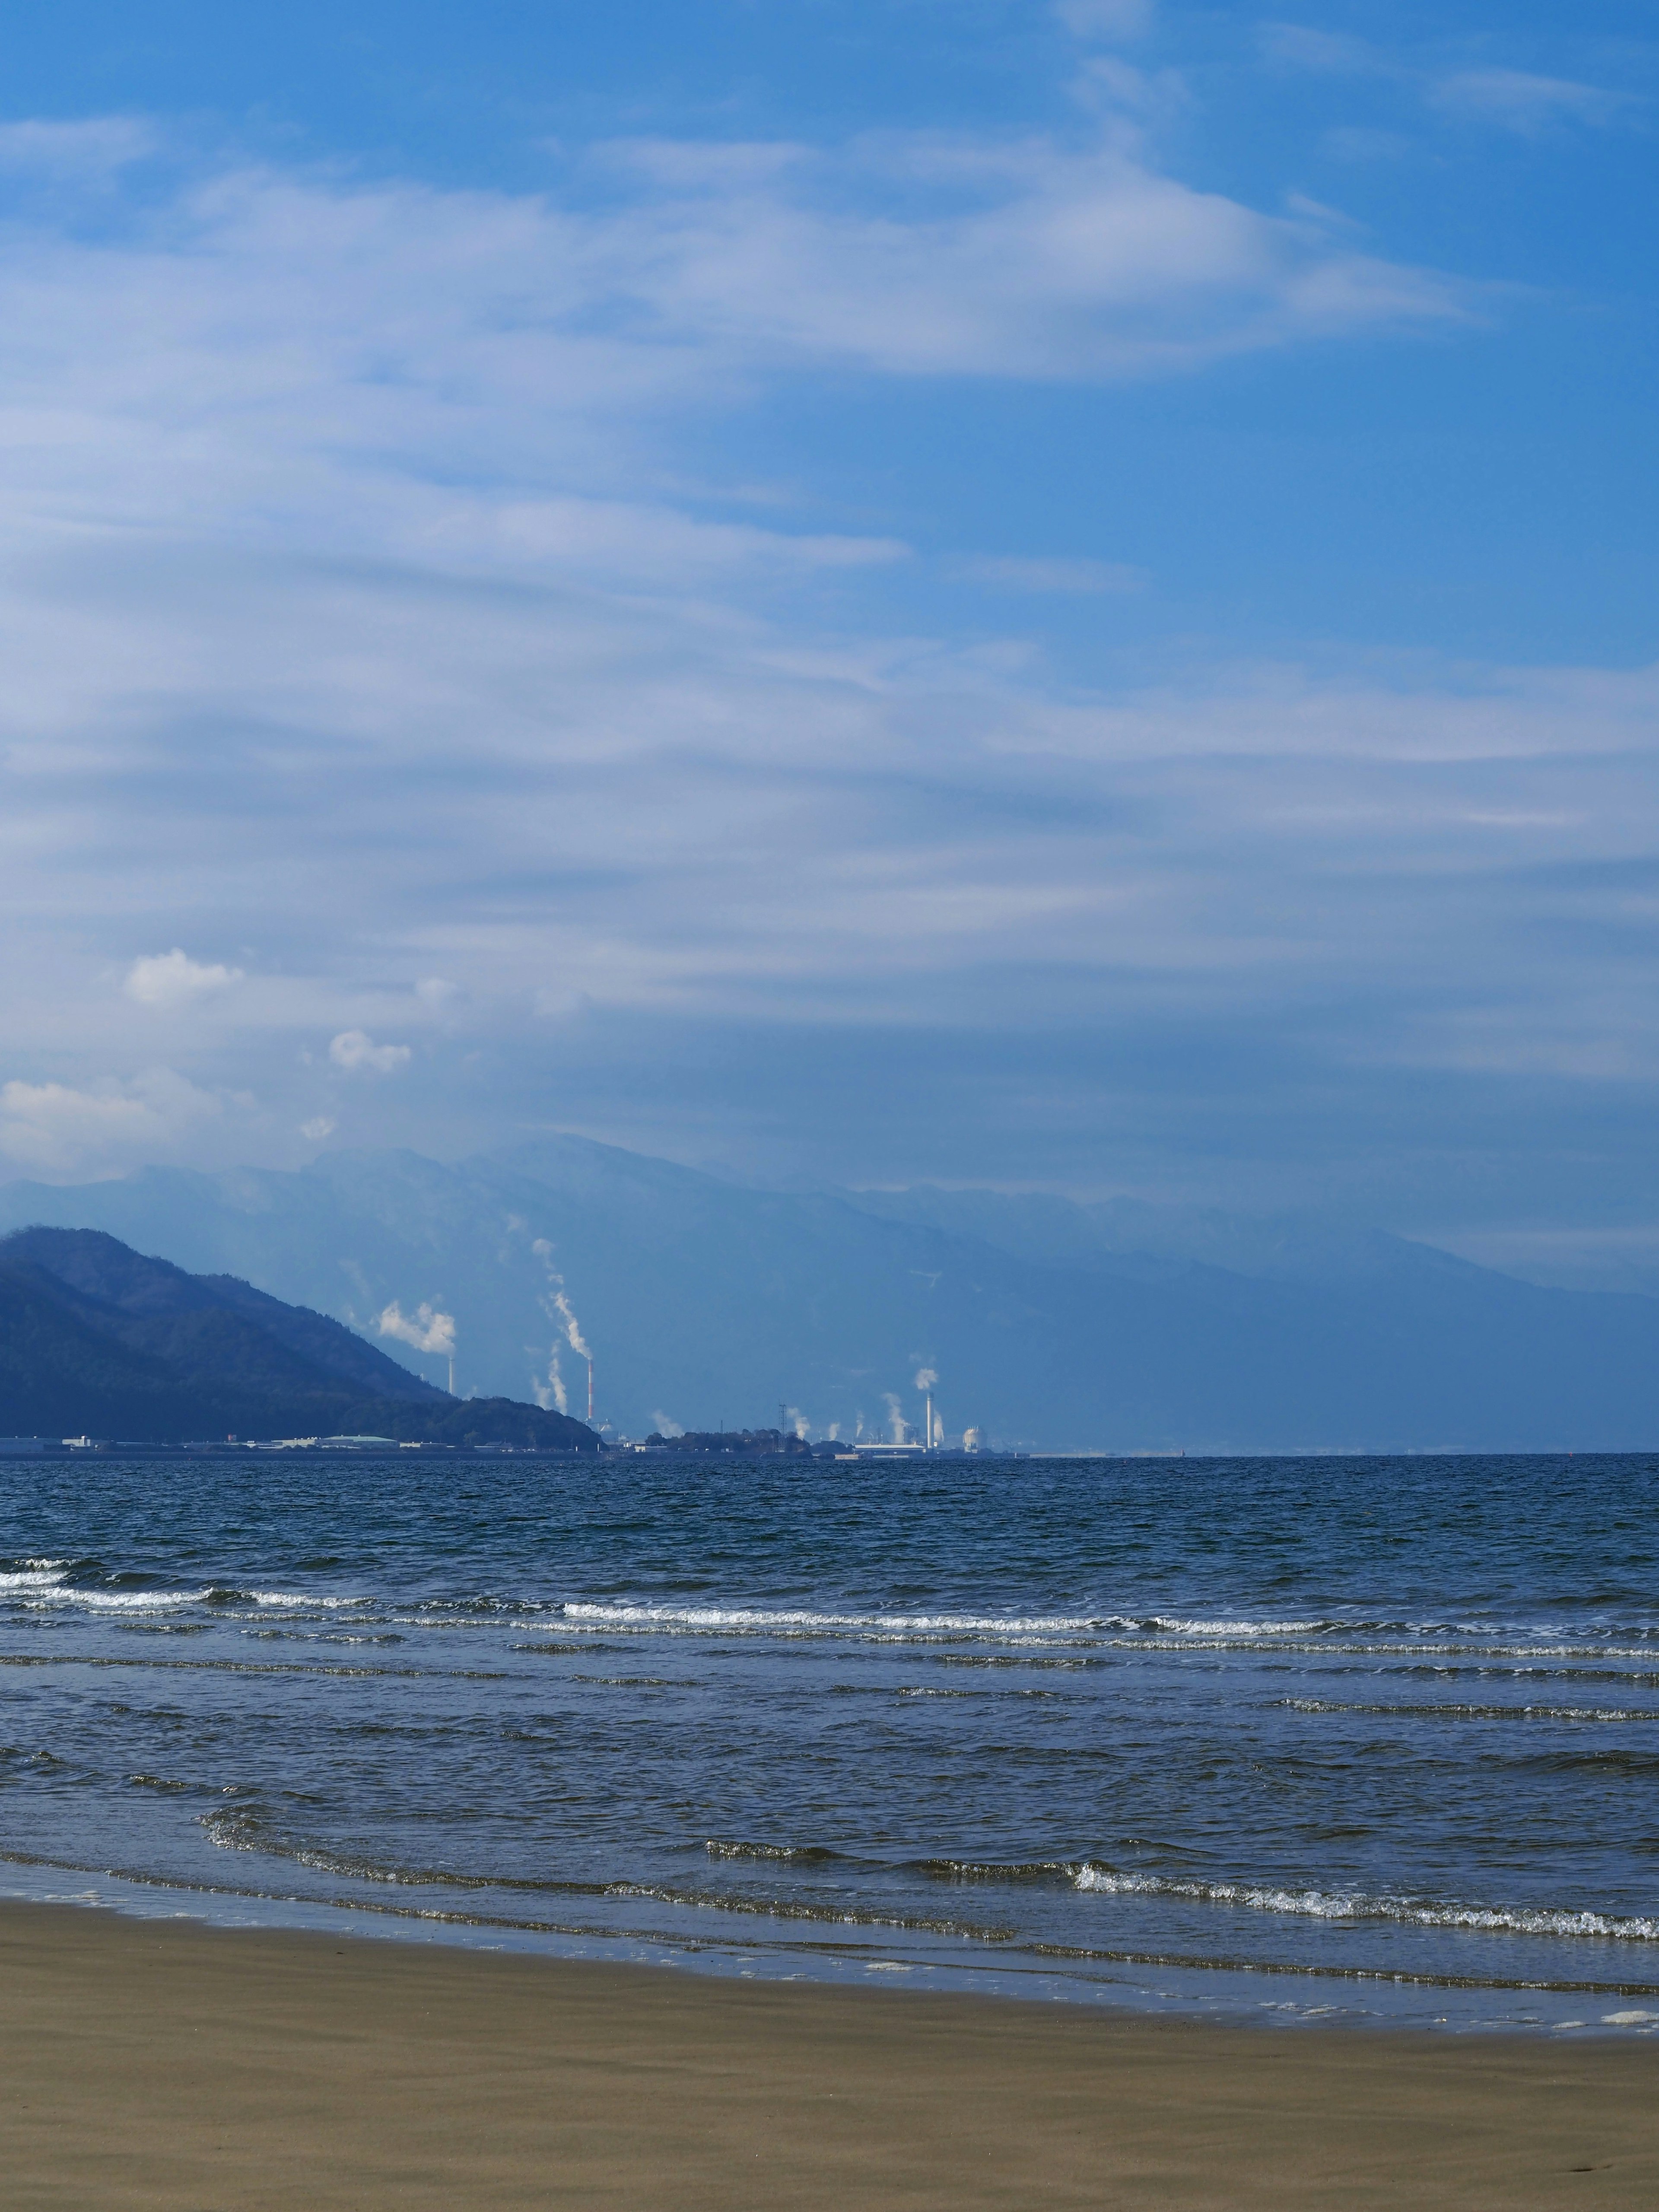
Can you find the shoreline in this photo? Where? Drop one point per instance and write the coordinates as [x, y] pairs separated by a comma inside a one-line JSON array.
[[173, 2064], [1092, 1980]]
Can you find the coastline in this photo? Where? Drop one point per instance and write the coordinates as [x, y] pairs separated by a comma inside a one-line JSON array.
[[173, 2064]]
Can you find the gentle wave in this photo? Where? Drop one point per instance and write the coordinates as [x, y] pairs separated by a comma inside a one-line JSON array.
[[47, 1586], [241, 1830], [726, 1620], [1412, 1912], [32, 1581], [1431, 1712], [92, 1601], [775, 1854], [309, 1600], [1327, 1904], [1349, 1906]]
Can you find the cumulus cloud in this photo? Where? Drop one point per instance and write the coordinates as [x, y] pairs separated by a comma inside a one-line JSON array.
[[424, 1330], [356, 1052], [319, 1126], [172, 979]]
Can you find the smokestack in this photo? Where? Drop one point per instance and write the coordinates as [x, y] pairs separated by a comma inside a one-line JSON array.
[[452, 1373], [590, 1389], [926, 1378]]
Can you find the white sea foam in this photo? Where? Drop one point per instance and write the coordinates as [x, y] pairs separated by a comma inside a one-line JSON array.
[[39, 1574], [129, 1600], [1354, 1905], [1118, 1630], [730, 1619], [1429, 1709], [42, 1583], [783, 1621], [306, 1600], [1167, 1627]]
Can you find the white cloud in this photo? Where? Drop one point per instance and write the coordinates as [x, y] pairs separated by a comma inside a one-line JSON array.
[[355, 1051], [319, 1126], [424, 1330], [670, 807], [55, 1129], [1514, 99], [1521, 101], [169, 980], [347, 614], [1024, 259], [87, 151], [467, 379], [1105, 19], [1013, 572], [1330, 53]]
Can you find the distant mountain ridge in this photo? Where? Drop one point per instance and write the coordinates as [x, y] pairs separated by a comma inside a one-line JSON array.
[[708, 1304], [97, 1338]]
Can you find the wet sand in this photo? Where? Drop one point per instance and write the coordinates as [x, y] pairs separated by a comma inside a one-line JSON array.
[[167, 2064]]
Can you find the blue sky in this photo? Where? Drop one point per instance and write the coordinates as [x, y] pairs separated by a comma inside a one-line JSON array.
[[1048, 595]]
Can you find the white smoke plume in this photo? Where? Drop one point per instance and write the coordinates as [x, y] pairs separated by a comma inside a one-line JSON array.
[[925, 1378], [666, 1425], [424, 1330], [558, 1305], [894, 1415], [572, 1326], [551, 1395]]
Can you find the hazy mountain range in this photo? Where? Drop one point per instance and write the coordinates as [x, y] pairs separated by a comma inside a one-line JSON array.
[[1119, 1326]]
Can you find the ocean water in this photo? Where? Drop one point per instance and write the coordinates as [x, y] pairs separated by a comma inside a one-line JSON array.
[[1287, 1740]]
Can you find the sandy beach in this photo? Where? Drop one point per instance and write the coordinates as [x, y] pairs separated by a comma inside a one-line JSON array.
[[173, 2065]]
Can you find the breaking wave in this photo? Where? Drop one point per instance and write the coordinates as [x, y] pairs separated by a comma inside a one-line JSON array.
[[1348, 1906]]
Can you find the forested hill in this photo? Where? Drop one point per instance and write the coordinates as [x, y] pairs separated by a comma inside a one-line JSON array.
[[96, 1339]]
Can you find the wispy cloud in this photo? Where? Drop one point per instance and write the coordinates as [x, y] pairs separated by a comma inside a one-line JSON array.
[[1018, 573], [1511, 99], [352, 624], [1519, 100], [1109, 20], [84, 151], [1331, 53]]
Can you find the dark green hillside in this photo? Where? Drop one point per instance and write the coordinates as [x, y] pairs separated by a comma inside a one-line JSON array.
[[96, 1339]]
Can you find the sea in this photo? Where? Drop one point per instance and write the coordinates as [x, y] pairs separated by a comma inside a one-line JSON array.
[[1333, 1740]]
